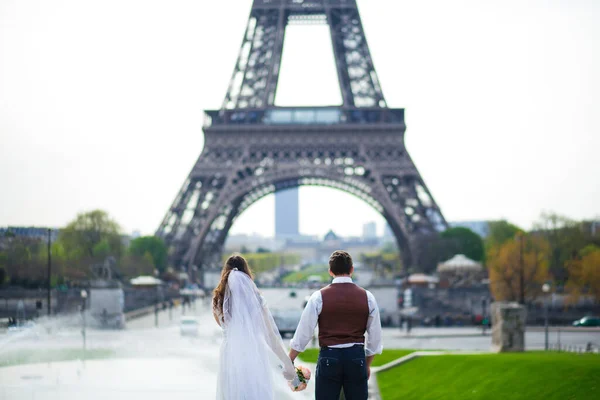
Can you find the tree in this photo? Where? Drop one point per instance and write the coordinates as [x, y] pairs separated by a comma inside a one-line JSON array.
[[591, 230], [383, 264], [565, 237], [584, 274], [433, 250], [169, 276], [500, 232], [92, 235], [152, 247], [261, 262], [133, 265], [518, 268], [24, 261], [390, 247], [465, 242]]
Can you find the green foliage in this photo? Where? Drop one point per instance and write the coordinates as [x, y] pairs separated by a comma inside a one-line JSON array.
[[262, 250], [566, 239], [101, 250], [500, 232], [92, 232], [24, 260], [2, 276], [132, 266], [517, 376], [465, 242], [384, 264], [390, 247], [152, 246], [321, 270], [261, 262], [518, 268], [589, 249], [584, 274], [90, 238]]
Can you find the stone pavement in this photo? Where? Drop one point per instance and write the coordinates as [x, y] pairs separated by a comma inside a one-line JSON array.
[[157, 362], [149, 363], [121, 379]]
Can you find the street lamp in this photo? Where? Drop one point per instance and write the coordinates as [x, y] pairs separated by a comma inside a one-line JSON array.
[[483, 313], [156, 300], [49, 269], [546, 289], [84, 295]]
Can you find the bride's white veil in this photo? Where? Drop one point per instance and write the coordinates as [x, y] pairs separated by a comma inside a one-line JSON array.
[[253, 351]]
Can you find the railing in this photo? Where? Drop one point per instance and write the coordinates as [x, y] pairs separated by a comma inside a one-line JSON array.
[[68, 301], [303, 4], [304, 116], [588, 348]]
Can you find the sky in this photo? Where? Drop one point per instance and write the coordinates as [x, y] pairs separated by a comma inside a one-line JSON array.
[[101, 105]]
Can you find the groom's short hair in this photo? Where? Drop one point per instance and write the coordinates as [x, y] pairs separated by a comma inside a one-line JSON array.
[[340, 262]]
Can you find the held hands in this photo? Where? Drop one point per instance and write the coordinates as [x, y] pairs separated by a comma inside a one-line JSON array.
[[290, 375], [300, 382], [295, 383]]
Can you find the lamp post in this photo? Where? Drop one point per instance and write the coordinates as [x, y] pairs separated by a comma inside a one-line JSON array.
[[84, 295], [49, 267], [546, 289], [483, 312], [156, 307], [521, 270]]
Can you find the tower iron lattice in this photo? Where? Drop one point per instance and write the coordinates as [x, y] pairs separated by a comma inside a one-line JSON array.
[[254, 148]]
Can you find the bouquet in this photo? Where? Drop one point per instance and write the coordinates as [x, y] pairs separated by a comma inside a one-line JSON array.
[[300, 382]]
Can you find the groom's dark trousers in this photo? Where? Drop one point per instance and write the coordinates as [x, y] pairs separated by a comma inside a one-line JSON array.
[[339, 369]]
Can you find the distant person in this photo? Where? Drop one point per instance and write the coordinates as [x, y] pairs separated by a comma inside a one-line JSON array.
[[251, 337], [344, 312]]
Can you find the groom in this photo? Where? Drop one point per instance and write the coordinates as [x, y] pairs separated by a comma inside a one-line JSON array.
[[344, 312]]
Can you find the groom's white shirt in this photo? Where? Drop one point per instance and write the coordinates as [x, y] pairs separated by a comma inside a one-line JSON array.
[[310, 319]]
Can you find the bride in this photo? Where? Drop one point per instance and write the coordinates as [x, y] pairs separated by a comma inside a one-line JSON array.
[[252, 351]]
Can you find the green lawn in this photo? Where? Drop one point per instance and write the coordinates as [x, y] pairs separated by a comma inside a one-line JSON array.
[[321, 270], [311, 355], [38, 356], [527, 376]]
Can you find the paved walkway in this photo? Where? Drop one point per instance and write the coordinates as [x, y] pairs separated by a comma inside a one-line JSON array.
[[149, 364], [121, 379], [157, 362]]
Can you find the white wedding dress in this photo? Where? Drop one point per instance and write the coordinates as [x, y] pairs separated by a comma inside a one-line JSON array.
[[252, 353]]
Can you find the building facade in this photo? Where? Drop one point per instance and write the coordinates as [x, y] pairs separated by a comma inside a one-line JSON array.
[[287, 221]]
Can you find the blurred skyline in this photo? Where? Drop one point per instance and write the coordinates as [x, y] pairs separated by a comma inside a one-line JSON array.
[[101, 105]]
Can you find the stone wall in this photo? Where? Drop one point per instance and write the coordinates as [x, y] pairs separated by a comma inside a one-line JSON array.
[[508, 327]]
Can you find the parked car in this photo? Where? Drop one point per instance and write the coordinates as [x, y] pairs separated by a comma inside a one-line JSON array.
[[287, 320], [587, 321], [189, 326]]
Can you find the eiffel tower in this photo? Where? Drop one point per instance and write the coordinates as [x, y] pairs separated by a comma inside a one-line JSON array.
[[254, 148]]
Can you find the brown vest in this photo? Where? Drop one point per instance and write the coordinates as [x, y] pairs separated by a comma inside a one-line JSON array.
[[344, 316]]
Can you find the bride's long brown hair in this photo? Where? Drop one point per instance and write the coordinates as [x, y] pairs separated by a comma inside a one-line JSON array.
[[235, 261]]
